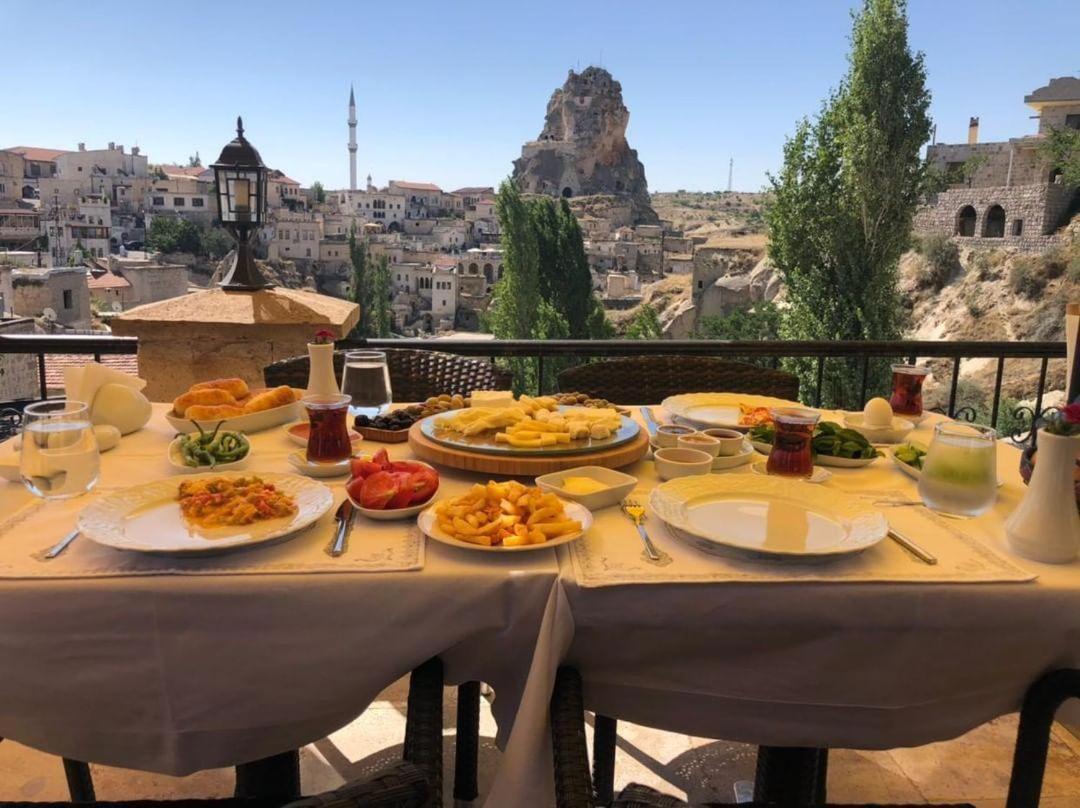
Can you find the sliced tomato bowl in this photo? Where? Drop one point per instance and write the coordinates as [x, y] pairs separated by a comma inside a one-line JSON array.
[[387, 489]]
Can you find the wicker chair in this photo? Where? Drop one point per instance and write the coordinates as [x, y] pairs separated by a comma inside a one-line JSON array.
[[651, 379], [402, 786], [573, 784], [414, 375]]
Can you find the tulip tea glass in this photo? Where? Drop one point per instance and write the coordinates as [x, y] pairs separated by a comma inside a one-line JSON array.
[[60, 456], [366, 378], [907, 382], [328, 436], [792, 453], [959, 472]]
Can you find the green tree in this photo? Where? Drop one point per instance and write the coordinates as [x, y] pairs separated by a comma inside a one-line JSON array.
[[759, 322], [318, 192], [381, 316], [845, 197], [583, 310], [216, 243], [645, 325], [361, 282], [513, 310], [170, 234], [1062, 150], [194, 161]]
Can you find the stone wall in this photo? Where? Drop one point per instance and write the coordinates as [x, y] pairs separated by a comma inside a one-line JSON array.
[[18, 372], [1027, 167], [153, 282], [1037, 208], [62, 289]]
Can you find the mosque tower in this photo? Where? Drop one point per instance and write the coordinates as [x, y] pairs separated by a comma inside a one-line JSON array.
[[352, 140]]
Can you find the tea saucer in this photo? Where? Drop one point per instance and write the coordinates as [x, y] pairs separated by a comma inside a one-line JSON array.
[[336, 468], [740, 458], [820, 475]]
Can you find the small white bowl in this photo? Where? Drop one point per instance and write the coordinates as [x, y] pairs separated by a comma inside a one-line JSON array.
[[896, 432], [671, 463], [700, 442], [176, 460], [667, 435], [337, 468], [731, 441], [616, 485]]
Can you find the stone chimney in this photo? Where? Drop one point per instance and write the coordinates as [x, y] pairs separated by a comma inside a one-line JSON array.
[[215, 334], [973, 131], [135, 151], [82, 147], [112, 145]]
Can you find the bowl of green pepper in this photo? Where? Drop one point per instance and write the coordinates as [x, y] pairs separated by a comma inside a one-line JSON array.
[[216, 450]]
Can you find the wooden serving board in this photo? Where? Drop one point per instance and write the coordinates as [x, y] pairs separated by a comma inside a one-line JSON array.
[[525, 465]]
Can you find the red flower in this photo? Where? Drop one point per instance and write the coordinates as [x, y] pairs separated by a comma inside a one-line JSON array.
[[323, 337], [1071, 413]]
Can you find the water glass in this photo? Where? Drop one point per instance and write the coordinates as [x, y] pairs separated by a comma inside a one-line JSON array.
[[59, 452], [366, 378], [959, 472]]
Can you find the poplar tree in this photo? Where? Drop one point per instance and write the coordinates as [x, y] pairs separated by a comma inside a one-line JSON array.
[[847, 193], [361, 283]]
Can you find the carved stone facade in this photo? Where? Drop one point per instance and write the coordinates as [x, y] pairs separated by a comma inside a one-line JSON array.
[[1004, 193], [582, 149]]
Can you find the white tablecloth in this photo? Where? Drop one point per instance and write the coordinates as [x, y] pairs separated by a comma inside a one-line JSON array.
[[863, 665], [176, 673]]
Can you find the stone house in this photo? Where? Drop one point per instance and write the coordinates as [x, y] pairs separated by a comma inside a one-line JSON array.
[[295, 235], [486, 262], [149, 281], [110, 292], [1004, 193], [184, 192], [424, 198], [63, 291], [18, 227]]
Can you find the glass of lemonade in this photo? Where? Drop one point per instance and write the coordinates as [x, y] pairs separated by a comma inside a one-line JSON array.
[[959, 472], [59, 452], [366, 378]]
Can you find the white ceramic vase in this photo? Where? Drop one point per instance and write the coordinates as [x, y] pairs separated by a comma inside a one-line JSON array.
[[321, 378], [1045, 525]]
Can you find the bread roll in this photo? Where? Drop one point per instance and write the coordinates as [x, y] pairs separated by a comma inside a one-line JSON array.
[[213, 412], [278, 397], [207, 397], [237, 387]]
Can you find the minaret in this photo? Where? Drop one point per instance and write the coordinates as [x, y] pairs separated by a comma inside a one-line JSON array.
[[352, 140]]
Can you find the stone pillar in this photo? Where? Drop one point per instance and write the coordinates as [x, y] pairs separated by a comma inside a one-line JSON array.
[[216, 334]]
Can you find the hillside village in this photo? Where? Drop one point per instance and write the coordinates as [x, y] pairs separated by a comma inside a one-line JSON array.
[[74, 223]]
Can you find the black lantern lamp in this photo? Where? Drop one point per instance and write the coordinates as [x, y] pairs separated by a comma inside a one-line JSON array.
[[241, 191]]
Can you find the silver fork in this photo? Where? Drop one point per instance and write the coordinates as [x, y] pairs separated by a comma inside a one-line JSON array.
[[636, 513]]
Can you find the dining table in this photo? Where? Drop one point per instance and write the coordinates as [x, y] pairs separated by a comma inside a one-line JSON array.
[[175, 665]]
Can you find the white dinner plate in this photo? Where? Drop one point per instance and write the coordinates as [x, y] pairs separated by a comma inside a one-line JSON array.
[[769, 516], [429, 526], [704, 410], [146, 518], [825, 460]]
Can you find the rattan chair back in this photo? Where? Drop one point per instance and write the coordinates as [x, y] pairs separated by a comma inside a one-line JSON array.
[[414, 375], [651, 379]]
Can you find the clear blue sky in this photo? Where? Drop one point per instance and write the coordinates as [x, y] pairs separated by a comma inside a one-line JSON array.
[[448, 91]]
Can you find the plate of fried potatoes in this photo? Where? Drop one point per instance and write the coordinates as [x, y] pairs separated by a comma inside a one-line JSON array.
[[505, 517]]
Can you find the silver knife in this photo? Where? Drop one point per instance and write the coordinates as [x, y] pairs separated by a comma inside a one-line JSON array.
[[61, 545], [344, 517], [912, 547], [650, 422]]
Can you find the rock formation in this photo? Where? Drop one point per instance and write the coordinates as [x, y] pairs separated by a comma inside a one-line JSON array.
[[582, 149]]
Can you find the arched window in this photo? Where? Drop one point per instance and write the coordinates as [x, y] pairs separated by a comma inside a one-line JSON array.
[[994, 224], [965, 221], [567, 192], [474, 269]]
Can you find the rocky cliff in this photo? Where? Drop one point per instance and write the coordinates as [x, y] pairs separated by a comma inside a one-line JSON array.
[[582, 149]]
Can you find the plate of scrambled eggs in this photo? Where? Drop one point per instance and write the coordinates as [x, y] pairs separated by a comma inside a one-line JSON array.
[[205, 513]]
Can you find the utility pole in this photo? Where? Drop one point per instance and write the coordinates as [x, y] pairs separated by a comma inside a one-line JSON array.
[[730, 173], [55, 245]]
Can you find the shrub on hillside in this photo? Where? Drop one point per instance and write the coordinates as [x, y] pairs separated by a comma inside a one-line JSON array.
[[941, 259], [1025, 281], [1054, 263], [987, 264]]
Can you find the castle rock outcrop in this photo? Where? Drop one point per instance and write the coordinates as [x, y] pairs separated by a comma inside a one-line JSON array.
[[582, 149]]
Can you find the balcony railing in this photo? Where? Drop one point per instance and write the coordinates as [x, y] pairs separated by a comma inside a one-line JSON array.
[[768, 353]]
